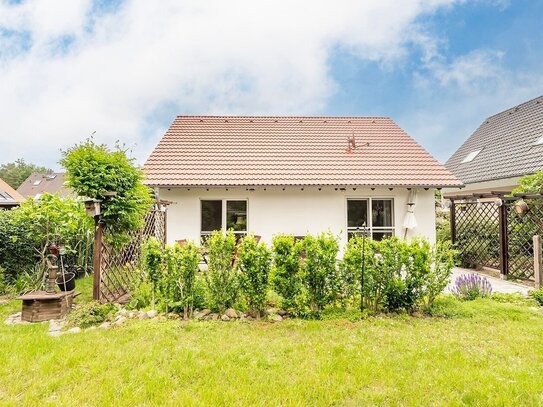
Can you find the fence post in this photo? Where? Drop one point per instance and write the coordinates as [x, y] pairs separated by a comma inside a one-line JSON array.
[[504, 243], [453, 222], [97, 258], [538, 260]]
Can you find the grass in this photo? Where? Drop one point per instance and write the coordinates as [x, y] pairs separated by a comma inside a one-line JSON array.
[[482, 352]]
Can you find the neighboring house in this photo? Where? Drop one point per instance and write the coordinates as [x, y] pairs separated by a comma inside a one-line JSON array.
[[295, 175], [38, 183], [9, 198], [505, 147]]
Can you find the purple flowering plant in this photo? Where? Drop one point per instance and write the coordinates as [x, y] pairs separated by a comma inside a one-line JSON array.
[[471, 286]]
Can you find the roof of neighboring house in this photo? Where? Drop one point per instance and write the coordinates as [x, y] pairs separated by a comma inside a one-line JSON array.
[[506, 145], [39, 183], [8, 196], [254, 151]]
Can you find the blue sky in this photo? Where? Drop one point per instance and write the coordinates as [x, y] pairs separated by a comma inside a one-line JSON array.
[[125, 68]]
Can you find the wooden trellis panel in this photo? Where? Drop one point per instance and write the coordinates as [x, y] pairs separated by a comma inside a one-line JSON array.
[[119, 266], [478, 235]]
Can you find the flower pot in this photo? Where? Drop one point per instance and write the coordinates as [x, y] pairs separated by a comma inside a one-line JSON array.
[[66, 282]]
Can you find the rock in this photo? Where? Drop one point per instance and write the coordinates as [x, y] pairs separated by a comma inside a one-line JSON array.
[[271, 311], [231, 313], [143, 315], [74, 330], [131, 314], [105, 325], [275, 318], [214, 316], [201, 314], [282, 312], [55, 325], [173, 315], [119, 321], [225, 317], [152, 313], [123, 312]]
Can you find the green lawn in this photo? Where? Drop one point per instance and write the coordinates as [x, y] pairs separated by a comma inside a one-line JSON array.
[[483, 353]]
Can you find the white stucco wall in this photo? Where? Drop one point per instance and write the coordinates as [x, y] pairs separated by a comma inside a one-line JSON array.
[[292, 210]]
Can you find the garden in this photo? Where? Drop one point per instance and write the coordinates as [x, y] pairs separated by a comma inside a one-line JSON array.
[[242, 321]]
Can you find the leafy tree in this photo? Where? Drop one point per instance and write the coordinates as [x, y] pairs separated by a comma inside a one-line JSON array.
[[530, 184], [95, 171], [254, 264], [17, 172]]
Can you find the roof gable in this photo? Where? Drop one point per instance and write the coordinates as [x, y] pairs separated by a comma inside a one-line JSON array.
[[38, 183], [508, 144], [9, 196], [256, 150]]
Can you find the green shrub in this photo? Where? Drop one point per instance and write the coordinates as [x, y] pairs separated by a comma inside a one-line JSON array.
[[221, 277], [142, 295], [286, 277], [254, 261], [320, 276], [153, 253], [440, 273], [537, 295], [89, 314]]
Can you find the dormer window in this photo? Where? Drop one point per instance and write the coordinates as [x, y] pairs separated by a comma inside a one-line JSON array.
[[471, 156]]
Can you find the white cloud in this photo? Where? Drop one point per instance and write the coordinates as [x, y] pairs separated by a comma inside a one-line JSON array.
[[123, 67]]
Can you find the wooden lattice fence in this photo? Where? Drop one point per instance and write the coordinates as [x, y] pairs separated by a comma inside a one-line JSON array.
[[120, 266], [497, 236]]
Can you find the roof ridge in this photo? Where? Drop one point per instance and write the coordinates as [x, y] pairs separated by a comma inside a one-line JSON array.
[[512, 108], [277, 117]]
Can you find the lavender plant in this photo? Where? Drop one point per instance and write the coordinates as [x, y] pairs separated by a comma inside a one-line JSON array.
[[471, 286]]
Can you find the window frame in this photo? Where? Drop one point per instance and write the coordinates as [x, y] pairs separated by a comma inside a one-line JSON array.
[[206, 233], [370, 229]]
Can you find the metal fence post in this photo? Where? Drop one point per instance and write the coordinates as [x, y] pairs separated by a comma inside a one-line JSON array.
[[538, 266], [504, 243]]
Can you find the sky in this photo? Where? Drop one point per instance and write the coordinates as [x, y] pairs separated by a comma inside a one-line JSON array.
[[124, 69]]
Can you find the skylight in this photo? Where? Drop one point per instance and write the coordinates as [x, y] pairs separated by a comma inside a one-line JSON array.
[[38, 182], [539, 141], [470, 157]]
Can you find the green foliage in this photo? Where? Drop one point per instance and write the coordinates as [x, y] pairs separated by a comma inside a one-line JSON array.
[[142, 295], [27, 231], [178, 284], [286, 277], [221, 277], [537, 295], [153, 263], [17, 172], [254, 263], [319, 272], [94, 171], [440, 272], [530, 184], [89, 314], [443, 226]]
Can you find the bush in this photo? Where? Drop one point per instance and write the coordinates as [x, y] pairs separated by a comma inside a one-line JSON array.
[[440, 273], [91, 313], [537, 295], [254, 261], [319, 272], [286, 278], [153, 254], [221, 277], [471, 286]]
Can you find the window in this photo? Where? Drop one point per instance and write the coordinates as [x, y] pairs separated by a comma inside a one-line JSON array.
[[376, 215], [37, 182], [471, 156], [539, 141], [223, 214]]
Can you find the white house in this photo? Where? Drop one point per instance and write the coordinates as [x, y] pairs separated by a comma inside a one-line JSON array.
[[296, 175]]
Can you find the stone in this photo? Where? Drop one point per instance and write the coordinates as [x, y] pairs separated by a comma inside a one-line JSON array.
[[74, 330], [282, 312], [131, 314], [119, 321], [271, 311], [105, 325], [55, 325], [152, 313], [214, 316], [225, 317], [231, 313], [275, 318], [201, 314], [123, 311], [143, 315]]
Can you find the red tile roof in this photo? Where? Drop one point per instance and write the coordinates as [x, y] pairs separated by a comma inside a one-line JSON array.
[[254, 151]]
